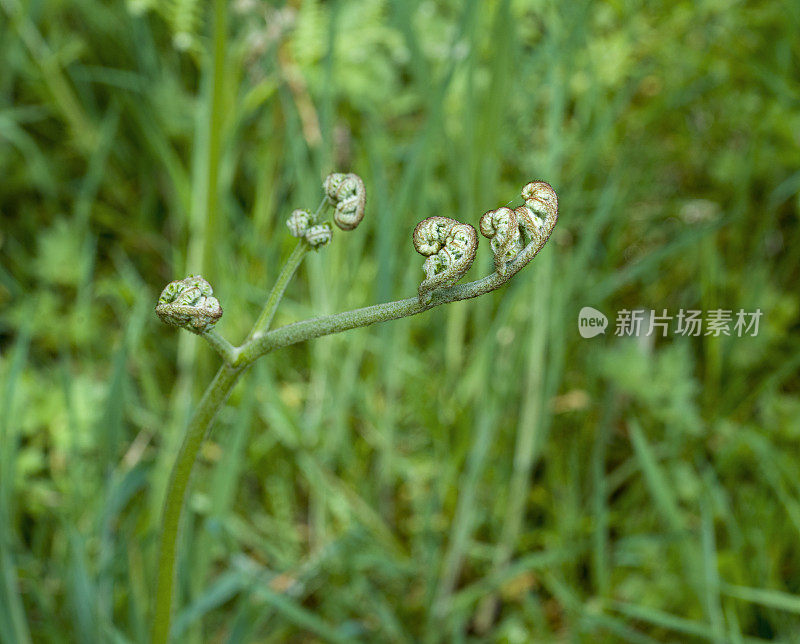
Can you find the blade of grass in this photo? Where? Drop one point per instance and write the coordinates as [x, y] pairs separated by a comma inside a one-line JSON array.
[[670, 622], [713, 604], [657, 484], [82, 591], [56, 81], [767, 597], [600, 560], [13, 623], [592, 622], [645, 266], [294, 613], [464, 520], [466, 597]]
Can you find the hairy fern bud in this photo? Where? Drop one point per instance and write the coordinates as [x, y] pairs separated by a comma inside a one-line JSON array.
[[189, 303], [319, 235], [347, 194], [501, 226], [541, 203], [511, 231], [298, 222], [449, 248]]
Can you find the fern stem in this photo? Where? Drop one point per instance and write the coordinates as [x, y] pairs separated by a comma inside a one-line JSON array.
[[224, 348], [276, 294], [213, 399]]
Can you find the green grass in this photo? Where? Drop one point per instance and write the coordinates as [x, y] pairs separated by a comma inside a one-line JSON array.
[[477, 473]]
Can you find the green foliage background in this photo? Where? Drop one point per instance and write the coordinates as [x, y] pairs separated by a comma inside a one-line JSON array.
[[477, 473]]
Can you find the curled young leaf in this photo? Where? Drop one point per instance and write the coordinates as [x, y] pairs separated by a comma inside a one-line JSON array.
[[347, 193], [502, 228], [319, 235], [298, 222], [541, 203], [189, 303], [524, 229], [449, 247]]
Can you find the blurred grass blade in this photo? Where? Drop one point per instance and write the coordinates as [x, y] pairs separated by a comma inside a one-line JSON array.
[[769, 598], [464, 519], [664, 620], [713, 605], [261, 591], [13, 623], [551, 558], [224, 587], [657, 483], [82, 591]]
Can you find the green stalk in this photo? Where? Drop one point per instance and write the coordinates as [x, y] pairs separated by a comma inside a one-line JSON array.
[[263, 343], [225, 349], [214, 397], [276, 294], [287, 272]]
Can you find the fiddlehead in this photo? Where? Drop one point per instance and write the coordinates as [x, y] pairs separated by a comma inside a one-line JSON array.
[[524, 229], [347, 194], [301, 223], [319, 235], [298, 222], [449, 247], [189, 303], [502, 228], [541, 206]]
